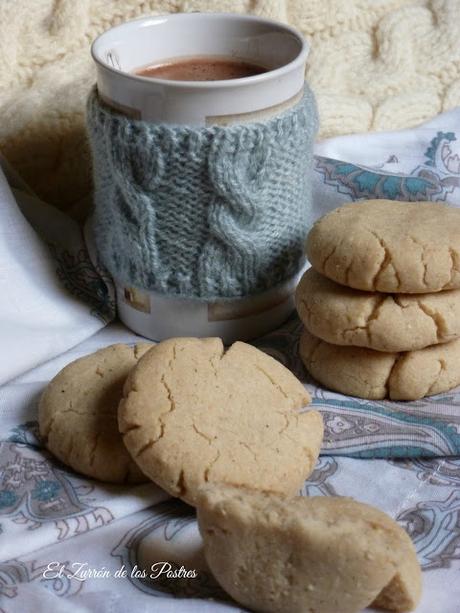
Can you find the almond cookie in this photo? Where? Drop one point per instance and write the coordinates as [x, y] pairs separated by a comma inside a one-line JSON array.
[[321, 554], [78, 414], [385, 322], [193, 413], [366, 373], [389, 246]]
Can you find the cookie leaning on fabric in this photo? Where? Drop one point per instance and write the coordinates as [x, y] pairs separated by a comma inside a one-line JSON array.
[[323, 554], [193, 413], [78, 414]]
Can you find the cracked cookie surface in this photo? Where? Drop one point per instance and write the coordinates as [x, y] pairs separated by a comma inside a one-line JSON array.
[[389, 246], [322, 554], [193, 413], [385, 322], [366, 373], [78, 414]]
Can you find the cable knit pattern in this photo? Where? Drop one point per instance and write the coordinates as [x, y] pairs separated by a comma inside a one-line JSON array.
[[374, 65], [215, 212]]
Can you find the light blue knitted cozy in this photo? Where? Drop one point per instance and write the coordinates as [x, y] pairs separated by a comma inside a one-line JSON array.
[[207, 212]]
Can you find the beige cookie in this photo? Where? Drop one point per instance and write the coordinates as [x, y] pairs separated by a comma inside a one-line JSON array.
[[194, 413], [389, 246], [385, 322], [321, 554], [78, 414], [366, 373]]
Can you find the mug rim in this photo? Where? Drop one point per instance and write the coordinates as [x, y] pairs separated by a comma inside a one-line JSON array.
[[299, 59]]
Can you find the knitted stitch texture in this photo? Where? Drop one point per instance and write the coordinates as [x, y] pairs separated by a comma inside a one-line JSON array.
[[374, 65], [212, 212]]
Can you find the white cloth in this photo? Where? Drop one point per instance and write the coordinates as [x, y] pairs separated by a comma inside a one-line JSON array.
[[51, 516], [39, 317]]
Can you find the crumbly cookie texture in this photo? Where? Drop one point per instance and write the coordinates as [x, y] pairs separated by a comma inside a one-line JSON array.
[[193, 413], [389, 246], [321, 554], [78, 414], [385, 322], [366, 373]]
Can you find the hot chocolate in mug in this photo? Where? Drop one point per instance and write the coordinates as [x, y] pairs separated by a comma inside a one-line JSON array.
[[119, 54]]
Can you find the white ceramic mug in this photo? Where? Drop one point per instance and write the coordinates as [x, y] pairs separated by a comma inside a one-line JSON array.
[[124, 49]]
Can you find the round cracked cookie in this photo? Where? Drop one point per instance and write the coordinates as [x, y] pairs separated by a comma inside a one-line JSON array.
[[78, 414], [366, 373], [323, 554], [385, 322], [389, 246], [194, 413]]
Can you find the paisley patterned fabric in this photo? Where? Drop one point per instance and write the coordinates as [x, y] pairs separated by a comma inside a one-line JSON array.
[[58, 529], [369, 428], [434, 179]]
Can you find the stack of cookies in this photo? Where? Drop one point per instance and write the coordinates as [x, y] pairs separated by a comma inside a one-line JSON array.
[[381, 303]]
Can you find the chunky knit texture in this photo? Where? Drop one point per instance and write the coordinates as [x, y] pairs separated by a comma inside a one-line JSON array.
[[374, 65], [213, 212]]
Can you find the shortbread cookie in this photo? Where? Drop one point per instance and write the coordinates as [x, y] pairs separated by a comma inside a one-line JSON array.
[[366, 373], [389, 246], [321, 554], [194, 413], [385, 322], [78, 414]]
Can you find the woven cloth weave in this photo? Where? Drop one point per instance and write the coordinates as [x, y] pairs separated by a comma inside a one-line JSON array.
[[204, 212]]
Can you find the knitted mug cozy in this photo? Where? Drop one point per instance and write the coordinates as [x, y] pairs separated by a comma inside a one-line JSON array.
[[202, 212]]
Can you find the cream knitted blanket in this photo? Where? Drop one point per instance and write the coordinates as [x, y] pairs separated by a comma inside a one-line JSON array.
[[374, 65]]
